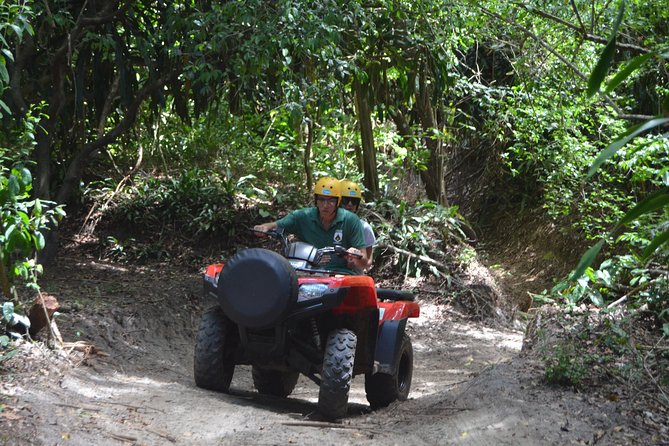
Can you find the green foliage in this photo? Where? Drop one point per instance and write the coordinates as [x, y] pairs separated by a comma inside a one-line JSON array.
[[422, 229], [596, 175], [7, 317], [158, 217], [552, 146], [130, 250], [23, 220], [652, 202], [566, 367], [593, 346], [633, 132], [642, 285], [192, 203], [4, 344], [604, 62], [22, 224], [14, 21]]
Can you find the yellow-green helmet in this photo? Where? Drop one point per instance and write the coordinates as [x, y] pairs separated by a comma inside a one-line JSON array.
[[350, 189], [328, 187]]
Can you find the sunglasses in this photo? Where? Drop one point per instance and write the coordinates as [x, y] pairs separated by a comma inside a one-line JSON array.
[[349, 200], [326, 200]]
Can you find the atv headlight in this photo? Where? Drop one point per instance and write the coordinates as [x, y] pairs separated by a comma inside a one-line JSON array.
[[310, 291]]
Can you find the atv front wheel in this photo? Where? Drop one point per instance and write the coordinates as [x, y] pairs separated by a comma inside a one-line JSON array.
[[384, 388], [337, 373], [215, 346], [274, 382]]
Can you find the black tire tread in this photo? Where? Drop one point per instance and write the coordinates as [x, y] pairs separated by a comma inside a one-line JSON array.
[[383, 388], [337, 373], [274, 382], [215, 345]]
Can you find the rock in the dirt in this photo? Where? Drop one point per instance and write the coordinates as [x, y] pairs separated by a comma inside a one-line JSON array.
[[38, 315]]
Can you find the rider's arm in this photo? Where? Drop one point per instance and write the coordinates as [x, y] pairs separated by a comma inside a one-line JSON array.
[[290, 223], [369, 252], [370, 241], [265, 227]]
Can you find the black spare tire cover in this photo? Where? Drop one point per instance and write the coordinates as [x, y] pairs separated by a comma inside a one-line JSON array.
[[256, 287]]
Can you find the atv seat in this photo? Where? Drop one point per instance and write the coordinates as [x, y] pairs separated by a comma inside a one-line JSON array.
[[386, 294]]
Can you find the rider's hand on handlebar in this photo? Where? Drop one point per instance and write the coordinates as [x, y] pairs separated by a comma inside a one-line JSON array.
[[353, 254], [353, 258], [261, 230]]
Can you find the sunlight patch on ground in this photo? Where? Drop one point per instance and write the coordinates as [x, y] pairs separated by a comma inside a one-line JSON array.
[[510, 340], [428, 313], [103, 266], [97, 387]]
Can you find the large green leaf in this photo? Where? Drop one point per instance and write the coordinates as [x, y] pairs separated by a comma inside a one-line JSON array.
[[628, 69], [7, 311], [5, 108], [8, 54], [604, 63], [660, 239], [37, 208], [40, 242], [13, 187], [25, 176], [587, 259], [651, 203], [618, 144], [4, 74]]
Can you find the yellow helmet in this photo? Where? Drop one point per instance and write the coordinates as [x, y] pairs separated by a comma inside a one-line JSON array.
[[350, 189], [328, 187]]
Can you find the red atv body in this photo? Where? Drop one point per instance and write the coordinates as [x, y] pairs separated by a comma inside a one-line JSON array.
[[284, 316]]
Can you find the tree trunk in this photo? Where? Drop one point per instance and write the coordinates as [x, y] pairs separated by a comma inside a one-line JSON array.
[[5, 286], [371, 176], [83, 156], [307, 153], [433, 176]]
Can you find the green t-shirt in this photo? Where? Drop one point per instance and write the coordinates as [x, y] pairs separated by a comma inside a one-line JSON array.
[[345, 230]]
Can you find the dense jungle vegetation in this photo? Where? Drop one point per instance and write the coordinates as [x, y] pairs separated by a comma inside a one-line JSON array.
[[188, 120]]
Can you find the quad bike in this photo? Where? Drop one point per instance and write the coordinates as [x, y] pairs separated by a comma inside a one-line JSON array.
[[284, 315]]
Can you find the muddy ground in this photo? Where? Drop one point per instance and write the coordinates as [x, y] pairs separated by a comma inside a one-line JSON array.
[[124, 376]]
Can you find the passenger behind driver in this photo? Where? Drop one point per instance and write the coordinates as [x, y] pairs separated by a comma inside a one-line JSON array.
[[326, 224], [351, 197]]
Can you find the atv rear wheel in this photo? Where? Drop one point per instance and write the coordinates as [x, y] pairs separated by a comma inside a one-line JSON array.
[[215, 346], [337, 373], [274, 382], [384, 388]]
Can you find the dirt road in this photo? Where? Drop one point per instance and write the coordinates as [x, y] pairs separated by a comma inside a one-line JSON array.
[[125, 377]]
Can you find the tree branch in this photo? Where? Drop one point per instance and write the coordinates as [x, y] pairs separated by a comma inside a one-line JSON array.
[[102, 19], [422, 258], [578, 15], [82, 158], [564, 60], [581, 29]]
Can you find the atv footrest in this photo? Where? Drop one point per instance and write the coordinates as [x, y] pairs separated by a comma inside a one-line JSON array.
[[386, 294]]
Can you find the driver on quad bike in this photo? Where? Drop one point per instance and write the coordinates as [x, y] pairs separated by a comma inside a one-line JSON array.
[[326, 224]]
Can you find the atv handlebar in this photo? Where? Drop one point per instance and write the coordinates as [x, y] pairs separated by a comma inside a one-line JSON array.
[[274, 233], [338, 250], [280, 234]]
